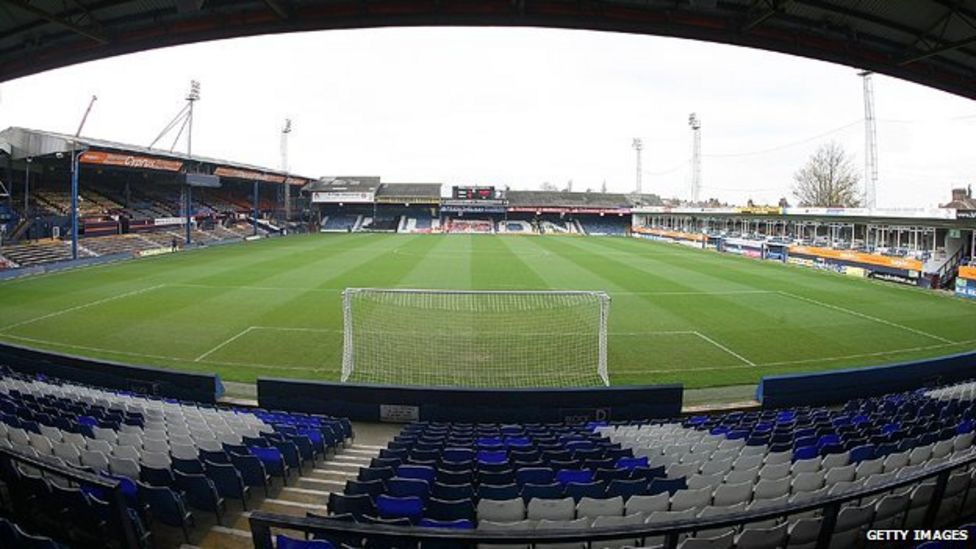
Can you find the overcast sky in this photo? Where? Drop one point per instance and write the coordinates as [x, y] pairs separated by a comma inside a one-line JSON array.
[[515, 107]]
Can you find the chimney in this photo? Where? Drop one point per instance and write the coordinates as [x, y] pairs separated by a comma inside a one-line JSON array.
[[959, 195]]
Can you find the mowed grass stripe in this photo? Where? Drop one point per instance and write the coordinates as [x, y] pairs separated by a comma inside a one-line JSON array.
[[210, 295]]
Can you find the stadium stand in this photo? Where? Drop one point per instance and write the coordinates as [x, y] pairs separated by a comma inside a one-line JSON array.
[[341, 223], [604, 225], [518, 477], [468, 226], [166, 457]]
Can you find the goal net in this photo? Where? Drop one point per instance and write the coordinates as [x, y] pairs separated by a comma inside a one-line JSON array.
[[475, 338]]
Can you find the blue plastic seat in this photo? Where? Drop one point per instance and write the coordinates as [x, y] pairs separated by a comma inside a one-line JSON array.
[[273, 461], [862, 453], [167, 507], [359, 505], [661, 485], [252, 471], [409, 507], [805, 452], [565, 476], [420, 472], [580, 490], [228, 482], [201, 494], [447, 491], [188, 466], [627, 488], [403, 487], [372, 488], [458, 454], [534, 475], [376, 473], [498, 492], [492, 457], [551, 490], [449, 510], [631, 462]]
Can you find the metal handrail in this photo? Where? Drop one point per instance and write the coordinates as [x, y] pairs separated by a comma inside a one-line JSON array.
[[117, 502], [261, 522]]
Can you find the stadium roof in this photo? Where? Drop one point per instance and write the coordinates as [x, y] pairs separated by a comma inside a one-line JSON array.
[[932, 42], [409, 190], [567, 199], [23, 143], [344, 184]]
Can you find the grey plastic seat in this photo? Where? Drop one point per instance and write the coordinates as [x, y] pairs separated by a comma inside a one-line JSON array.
[[762, 538], [691, 499], [124, 466], [549, 524], [851, 522], [68, 452], [724, 541], [603, 507], [96, 460], [127, 452], [102, 446], [635, 519], [889, 512], [563, 509], [771, 488], [647, 504], [41, 444], [508, 510], [731, 494], [804, 532]]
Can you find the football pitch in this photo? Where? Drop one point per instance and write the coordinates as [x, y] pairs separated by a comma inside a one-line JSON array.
[[272, 308]]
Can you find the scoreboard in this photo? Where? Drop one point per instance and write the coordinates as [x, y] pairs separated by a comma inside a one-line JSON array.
[[474, 193]]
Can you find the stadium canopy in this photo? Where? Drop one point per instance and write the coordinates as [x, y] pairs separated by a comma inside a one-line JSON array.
[[21, 143], [931, 42]]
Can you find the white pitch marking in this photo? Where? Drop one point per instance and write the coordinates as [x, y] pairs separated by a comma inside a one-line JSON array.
[[231, 531], [724, 348], [868, 317], [287, 503], [305, 491], [322, 481], [801, 361], [219, 345], [82, 306]]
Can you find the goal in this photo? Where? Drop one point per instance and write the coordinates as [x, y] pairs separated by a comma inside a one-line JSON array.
[[475, 338]]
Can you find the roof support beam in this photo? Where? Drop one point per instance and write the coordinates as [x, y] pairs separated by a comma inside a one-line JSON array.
[[276, 7], [940, 50], [58, 20], [772, 8]]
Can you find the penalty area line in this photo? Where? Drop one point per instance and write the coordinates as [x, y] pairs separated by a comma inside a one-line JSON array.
[[724, 348], [868, 317], [79, 307], [225, 342]]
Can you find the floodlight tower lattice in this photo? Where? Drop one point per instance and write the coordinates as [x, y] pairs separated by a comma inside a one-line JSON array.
[[191, 97], [638, 146], [285, 132], [695, 124], [870, 143]]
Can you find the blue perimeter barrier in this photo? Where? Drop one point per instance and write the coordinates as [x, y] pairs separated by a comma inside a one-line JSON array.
[[398, 403], [205, 388], [832, 387]]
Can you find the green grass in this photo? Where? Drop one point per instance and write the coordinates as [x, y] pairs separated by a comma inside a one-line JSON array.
[[272, 308]]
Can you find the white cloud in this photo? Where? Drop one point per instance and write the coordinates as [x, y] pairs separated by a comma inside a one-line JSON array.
[[513, 107]]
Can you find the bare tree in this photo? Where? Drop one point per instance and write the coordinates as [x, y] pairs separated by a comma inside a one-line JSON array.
[[547, 186], [829, 179], [603, 187]]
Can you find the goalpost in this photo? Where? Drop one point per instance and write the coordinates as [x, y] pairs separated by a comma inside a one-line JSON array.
[[475, 338]]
